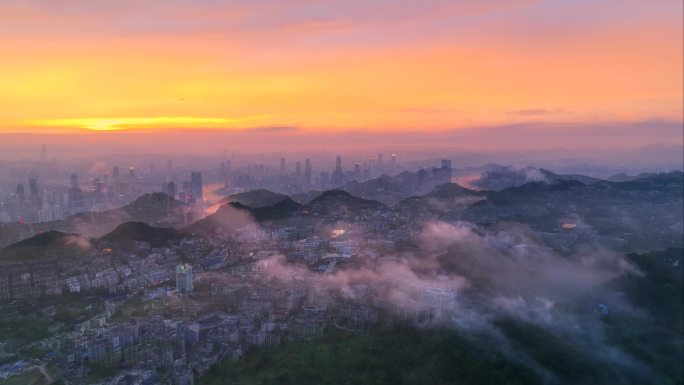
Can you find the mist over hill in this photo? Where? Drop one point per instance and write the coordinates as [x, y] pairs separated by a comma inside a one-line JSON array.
[[560, 280]]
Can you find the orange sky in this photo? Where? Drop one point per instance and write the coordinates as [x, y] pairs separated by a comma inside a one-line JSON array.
[[336, 65]]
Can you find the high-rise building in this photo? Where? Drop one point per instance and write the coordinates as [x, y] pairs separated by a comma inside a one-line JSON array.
[[21, 193], [282, 166], [171, 189], [223, 171], [308, 172], [366, 173], [184, 285], [298, 169], [380, 166], [35, 195], [446, 163], [115, 173], [446, 170], [98, 189], [98, 185], [443, 173], [196, 185], [357, 171], [75, 196], [337, 178], [43, 154]]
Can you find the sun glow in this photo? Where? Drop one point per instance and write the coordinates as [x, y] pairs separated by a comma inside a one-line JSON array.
[[429, 65], [114, 124]]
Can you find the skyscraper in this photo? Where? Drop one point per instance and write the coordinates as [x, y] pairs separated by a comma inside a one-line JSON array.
[[43, 154], [308, 172], [298, 169], [446, 163], [380, 167], [98, 189], [446, 170], [443, 173], [35, 195], [337, 178], [196, 185], [21, 194], [184, 278], [171, 189], [76, 197]]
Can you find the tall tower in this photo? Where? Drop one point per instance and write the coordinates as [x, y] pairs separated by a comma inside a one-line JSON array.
[[34, 195], [43, 153], [171, 189], [445, 171], [308, 172], [196, 185], [446, 163], [21, 193], [298, 169], [380, 167], [184, 285], [337, 178]]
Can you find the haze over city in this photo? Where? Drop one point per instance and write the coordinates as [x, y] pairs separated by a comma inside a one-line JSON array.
[[213, 192]]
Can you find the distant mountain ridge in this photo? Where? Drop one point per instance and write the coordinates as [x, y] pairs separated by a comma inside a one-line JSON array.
[[46, 239], [538, 204], [505, 177], [153, 208], [141, 232], [49, 244], [235, 215], [255, 198]]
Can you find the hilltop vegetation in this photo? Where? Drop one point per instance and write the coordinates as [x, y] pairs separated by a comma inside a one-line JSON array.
[[396, 356]]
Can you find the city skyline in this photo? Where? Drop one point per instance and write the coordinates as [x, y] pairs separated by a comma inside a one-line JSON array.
[[280, 192]]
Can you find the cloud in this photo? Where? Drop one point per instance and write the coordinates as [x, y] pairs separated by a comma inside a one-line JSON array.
[[122, 123], [496, 273], [77, 240], [539, 112], [295, 16], [273, 129]]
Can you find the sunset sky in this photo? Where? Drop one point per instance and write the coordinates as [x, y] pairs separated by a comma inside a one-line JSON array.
[[336, 65]]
